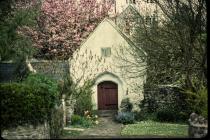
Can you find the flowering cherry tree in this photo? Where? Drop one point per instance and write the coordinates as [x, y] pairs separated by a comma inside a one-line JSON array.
[[62, 25]]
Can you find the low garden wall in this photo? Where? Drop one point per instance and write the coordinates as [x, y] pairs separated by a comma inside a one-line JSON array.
[[47, 130], [55, 69], [198, 126], [162, 96], [41, 131], [9, 71]]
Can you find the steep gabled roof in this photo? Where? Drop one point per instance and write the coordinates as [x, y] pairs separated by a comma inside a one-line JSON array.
[[117, 29], [123, 35], [129, 7]]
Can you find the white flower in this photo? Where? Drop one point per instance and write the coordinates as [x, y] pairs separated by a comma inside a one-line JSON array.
[[96, 122]]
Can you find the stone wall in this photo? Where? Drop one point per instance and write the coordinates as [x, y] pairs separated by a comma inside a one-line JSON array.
[[162, 96], [48, 130], [198, 126], [55, 69], [9, 71], [40, 131]]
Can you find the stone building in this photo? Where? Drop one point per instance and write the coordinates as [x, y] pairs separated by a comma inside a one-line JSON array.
[[101, 58]]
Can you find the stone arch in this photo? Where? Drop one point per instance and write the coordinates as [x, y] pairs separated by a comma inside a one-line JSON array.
[[107, 76]]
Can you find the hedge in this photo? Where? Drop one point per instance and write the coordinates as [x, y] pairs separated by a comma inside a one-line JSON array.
[[30, 101]]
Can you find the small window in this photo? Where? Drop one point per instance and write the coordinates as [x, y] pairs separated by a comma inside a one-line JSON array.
[[150, 1], [148, 20], [106, 52], [132, 1], [155, 18]]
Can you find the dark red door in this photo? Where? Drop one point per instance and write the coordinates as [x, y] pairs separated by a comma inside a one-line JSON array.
[[107, 96]]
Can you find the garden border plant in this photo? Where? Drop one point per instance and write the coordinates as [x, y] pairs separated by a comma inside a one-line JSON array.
[[125, 116], [28, 102]]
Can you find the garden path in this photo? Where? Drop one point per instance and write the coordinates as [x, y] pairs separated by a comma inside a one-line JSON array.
[[106, 127]]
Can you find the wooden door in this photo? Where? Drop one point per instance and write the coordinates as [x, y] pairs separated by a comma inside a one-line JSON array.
[[107, 96]]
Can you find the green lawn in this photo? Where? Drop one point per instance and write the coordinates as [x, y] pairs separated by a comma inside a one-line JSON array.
[[156, 129]]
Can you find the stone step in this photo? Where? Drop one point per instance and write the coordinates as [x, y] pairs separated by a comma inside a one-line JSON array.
[[76, 129], [107, 113]]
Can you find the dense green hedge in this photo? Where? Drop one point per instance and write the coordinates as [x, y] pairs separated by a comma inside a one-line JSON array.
[[28, 102]]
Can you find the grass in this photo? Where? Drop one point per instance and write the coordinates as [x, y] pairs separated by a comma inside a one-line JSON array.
[[67, 133], [155, 129], [80, 123]]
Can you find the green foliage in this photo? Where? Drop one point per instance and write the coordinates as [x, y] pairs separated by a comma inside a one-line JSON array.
[[173, 102], [176, 50], [83, 98], [152, 128], [13, 45], [125, 117], [197, 102], [67, 86], [166, 115], [76, 119], [81, 121], [5, 8], [144, 115], [28, 102], [56, 122], [126, 105], [91, 115], [43, 82], [69, 133]]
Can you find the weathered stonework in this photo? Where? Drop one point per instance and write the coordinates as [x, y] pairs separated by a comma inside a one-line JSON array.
[[198, 126], [89, 62], [41, 131], [55, 69], [162, 96], [9, 71], [48, 130]]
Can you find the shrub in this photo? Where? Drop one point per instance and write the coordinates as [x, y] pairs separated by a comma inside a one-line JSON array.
[[197, 101], [125, 117], [27, 102], [144, 115], [67, 86], [76, 119], [126, 105], [82, 121], [43, 82], [91, 116], [83, 98], [166, 115], [86, 122]]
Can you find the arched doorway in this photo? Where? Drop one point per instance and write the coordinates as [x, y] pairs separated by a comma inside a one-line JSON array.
[[107, 96]]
